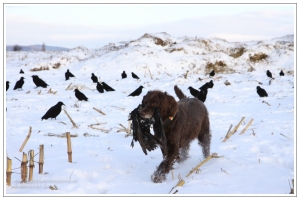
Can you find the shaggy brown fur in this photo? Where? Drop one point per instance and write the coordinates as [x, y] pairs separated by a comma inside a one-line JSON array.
[[183, 121]]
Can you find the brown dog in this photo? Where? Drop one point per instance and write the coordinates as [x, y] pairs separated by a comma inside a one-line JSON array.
[[183, 121]]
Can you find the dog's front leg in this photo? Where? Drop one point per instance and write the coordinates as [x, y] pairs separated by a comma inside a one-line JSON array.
[[166, 165]]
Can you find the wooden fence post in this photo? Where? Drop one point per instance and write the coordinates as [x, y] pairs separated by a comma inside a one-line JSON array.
[[31, 164], [8, 171], [41, 159], [24, 168], [26, 139], [69, 147]]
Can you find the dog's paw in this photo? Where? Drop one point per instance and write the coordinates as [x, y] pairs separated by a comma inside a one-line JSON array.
[[158, 178]]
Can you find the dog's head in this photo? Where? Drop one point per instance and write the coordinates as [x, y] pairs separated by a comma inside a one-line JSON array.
[[161, 100]]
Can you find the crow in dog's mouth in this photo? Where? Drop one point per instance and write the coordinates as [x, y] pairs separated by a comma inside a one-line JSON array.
[[141, 130]]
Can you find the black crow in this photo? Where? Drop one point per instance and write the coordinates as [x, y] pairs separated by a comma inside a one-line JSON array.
[[80, 96], [281, 73], [68, 74], [269, 74], [94, 78], [194, 92], [209, 84], [21, 71], [39, 82], [136, 92], [124, 75], [7, 85], [54, 111], [134, 75], [106, 87], [99, 87], [212, 73], [203, 93], [261, 92], [19, 83]]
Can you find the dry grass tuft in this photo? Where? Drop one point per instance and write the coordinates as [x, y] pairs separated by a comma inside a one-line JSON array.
[[219, 67], [56, 65], [39, 68], [175, 49], [258, 57], [237, 52]]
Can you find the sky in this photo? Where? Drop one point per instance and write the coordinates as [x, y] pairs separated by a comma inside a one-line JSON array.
[[96, 25]]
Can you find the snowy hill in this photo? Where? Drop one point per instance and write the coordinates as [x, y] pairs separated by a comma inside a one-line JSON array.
[[258, 162]]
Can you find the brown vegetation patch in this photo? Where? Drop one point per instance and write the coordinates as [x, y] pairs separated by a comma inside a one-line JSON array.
[[56, 65], [258, 57], [237, 52], [218, 67], [39, 68], [175, 49], [157, 40]]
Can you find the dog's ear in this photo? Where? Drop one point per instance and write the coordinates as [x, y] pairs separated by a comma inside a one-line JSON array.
[[168, 107], [172, 106]]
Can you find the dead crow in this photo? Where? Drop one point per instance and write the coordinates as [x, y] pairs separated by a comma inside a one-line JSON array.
[[80, 96], [7, 85], [261, 92], [106, 87], [99, 87], [94, 78], [19, 84], [124, 75], [54, 111], [281, 73], [39, 82], [136, 92], [134, 75], [68, 74], [212, 73]]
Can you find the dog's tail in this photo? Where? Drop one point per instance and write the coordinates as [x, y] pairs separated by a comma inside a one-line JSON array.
[[179, 93]]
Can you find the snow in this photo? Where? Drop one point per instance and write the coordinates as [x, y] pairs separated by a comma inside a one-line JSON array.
[[259, 162]]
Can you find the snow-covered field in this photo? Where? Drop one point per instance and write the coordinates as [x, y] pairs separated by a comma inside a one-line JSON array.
[[259, 162]]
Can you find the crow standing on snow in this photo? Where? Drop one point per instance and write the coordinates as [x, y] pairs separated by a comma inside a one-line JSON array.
[[21, 71], [107, 88], [212, 73], [136, 92], [209, 84], [68, 74], [203, 93], [269, 74], [194, 92], [94, 78], [134, 75], [7, 85], [99, 87], [80, 96], [124, 75], [54, 111], [39, 82], [261, 92], [281, 73], [19, 83]]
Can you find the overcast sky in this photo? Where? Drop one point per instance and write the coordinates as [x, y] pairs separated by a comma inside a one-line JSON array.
[[96, 25]]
